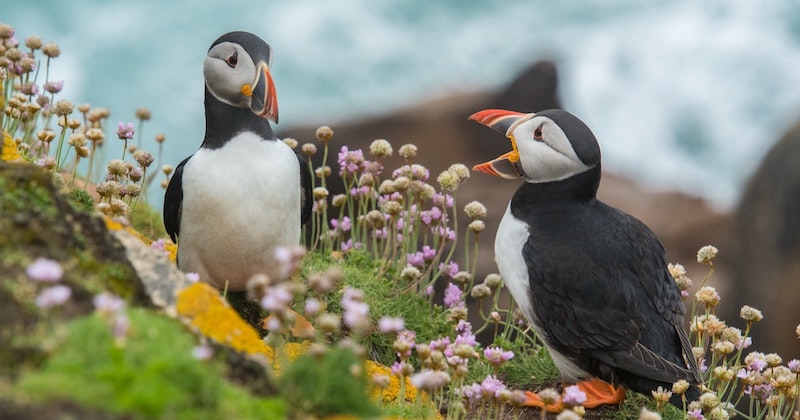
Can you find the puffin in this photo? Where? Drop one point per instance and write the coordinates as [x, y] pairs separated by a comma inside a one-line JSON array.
[[244, 193], [592, 280]]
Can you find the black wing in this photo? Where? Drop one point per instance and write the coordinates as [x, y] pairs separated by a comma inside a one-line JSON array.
[[173, 200], [305, 190], [609, 296]]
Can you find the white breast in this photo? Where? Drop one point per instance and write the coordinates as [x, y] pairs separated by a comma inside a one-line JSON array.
[[511, 237], [240, 202]]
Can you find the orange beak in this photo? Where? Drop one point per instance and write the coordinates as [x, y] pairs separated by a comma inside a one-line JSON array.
[[507, 165], [264, 100]]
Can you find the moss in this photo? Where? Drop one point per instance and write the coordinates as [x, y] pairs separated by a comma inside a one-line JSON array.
[[147, 221], [82, 200], [332, 383], [153, 375]]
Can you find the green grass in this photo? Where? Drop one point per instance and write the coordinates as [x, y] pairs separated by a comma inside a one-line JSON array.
[[153, 375]]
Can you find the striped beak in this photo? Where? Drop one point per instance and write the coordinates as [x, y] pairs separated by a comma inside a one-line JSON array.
[[264, 100], [507, 165]]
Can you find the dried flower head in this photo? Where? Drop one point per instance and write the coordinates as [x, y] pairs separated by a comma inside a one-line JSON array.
[[160, 138], [63, 107], [708, 296], [320, 193], [459, 170], [77, 140], [475, 210], [706, 255], [144, 158], [309, 149], [410, 273], [33, 42], [143, 114], [339, 200], [408, 151], [392, 207], [481, 291], [448, 181], [549, 396], [117, 167], [6, 31], [646, 414], [95, 134], [476, 226], [750, 314], [323, 172], [680, 387], [51, 50], [380, 148], [132, 190], [324, 134]]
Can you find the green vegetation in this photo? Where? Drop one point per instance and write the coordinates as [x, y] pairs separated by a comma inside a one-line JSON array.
[[151, 375]]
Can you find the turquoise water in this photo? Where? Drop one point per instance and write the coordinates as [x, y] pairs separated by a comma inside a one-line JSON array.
[[681, 94]]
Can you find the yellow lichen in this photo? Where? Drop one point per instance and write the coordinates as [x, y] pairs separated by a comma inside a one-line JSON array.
[[170, 247], [205, 310], [392, 391], [10, 151]]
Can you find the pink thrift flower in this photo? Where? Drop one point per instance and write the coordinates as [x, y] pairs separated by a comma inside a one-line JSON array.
[[202, 352], [276, 299], [573, 396], [450, 269], [312, 307], [390, 325], [192, 277], [53, 296], [107, 303], [491, 387], [497, 356], [161, 246], [125, 131], [452, 295], [121, 325], [430, 379], [45, 270]]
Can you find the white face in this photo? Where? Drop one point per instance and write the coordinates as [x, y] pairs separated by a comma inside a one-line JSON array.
[[226, 69], [545, 152]]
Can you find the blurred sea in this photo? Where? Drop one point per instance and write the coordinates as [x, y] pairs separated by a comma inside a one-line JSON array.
[[683, 94]]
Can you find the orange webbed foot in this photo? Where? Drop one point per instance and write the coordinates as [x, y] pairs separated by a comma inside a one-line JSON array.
[[597, 393], [600, 393]]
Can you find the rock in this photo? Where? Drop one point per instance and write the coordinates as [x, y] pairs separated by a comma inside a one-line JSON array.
[[160, 277], [767, 262], [36, 220]]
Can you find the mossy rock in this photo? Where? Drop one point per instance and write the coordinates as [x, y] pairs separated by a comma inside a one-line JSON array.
[[38, 220]]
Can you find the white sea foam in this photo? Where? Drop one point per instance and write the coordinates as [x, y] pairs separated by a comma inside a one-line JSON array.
[[681, 94]]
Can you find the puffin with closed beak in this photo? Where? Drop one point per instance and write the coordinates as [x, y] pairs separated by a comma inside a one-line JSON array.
[[591, 280], [244, 193]]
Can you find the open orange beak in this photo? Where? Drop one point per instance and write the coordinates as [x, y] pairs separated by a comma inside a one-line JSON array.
[[507, 165], [264, 100]]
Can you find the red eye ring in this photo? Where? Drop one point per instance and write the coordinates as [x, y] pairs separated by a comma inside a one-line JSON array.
[[233, 59]]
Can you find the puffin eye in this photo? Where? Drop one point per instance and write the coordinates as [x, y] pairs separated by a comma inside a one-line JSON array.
[[233, 59], [537, 134]]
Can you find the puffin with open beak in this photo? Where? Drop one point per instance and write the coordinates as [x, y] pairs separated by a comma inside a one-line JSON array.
[[591, 280], [244, 193]]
